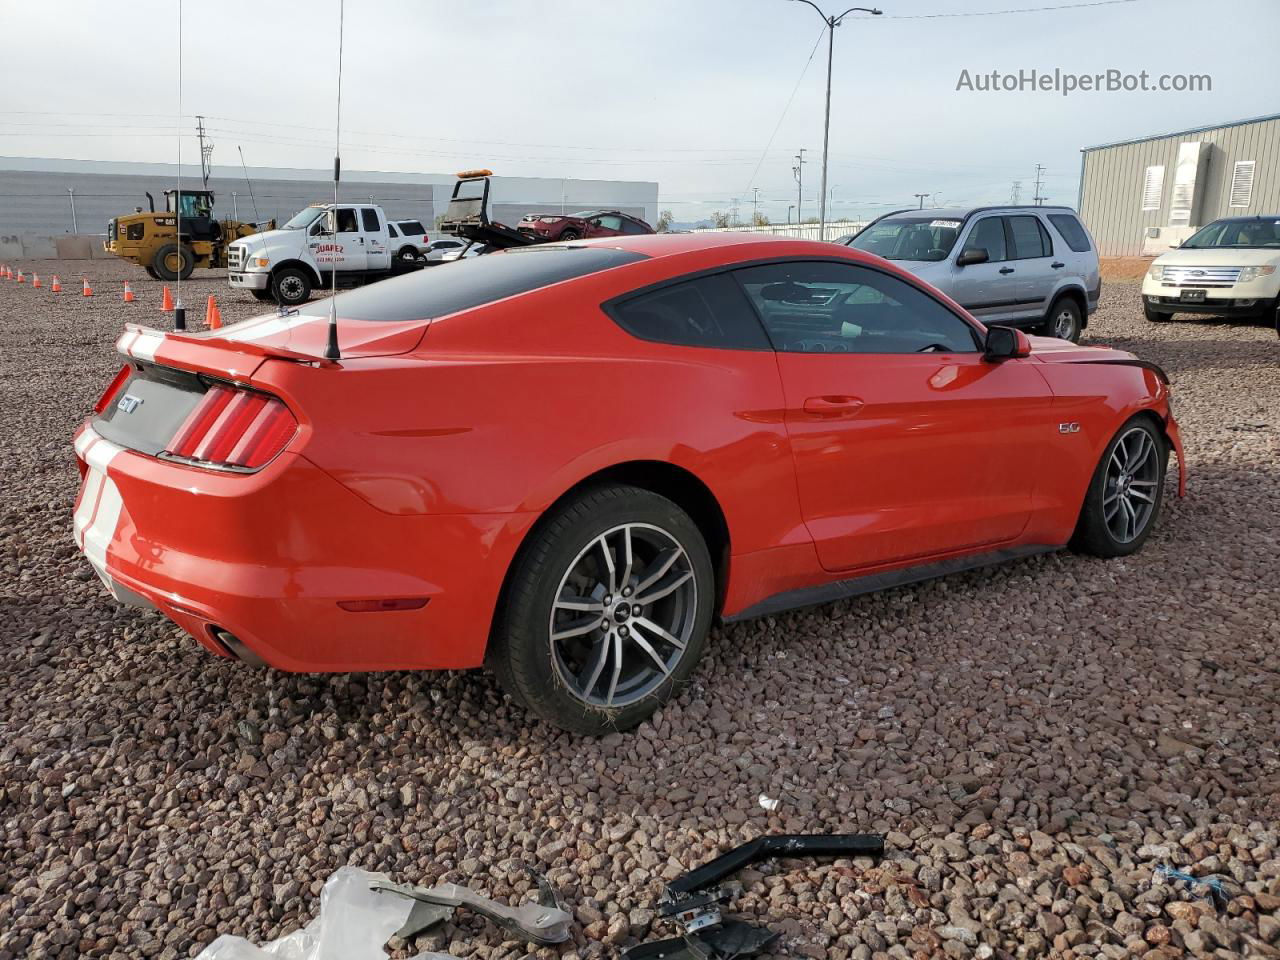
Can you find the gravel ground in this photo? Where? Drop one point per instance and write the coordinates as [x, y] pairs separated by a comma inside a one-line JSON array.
[[1036, 739]]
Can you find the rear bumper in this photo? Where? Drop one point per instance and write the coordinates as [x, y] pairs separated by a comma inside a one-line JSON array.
[[249, 281], [267, 558]]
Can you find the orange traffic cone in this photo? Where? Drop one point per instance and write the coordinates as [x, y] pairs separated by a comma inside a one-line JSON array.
[[35, 281], [88, 290], [21, 278], [166, 304], [128, 296], [4, 272], [212, 315], [56, 286]]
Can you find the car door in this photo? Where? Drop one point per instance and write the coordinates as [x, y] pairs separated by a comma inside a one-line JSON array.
[[987, 290], [908, 445], [375, 239], [343, 248], [1031, 253], [606, 225]]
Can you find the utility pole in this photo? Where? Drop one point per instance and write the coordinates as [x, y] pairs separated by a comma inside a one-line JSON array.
[[206, 152], [798, 172], [71, 192], [755, 206], [1016, 193], [920, 197], [1040, 198], [832, 22]]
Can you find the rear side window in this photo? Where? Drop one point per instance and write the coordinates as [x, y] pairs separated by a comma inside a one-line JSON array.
[[1072, 231], [411, 226], [706, 311], [1028, 238], [391, 227], [370, 218], [471, 282]]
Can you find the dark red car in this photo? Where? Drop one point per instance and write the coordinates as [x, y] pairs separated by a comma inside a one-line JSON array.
[[585, 223]]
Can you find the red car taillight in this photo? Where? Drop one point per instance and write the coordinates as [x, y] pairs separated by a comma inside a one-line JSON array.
[[234, 428], [113, 388]]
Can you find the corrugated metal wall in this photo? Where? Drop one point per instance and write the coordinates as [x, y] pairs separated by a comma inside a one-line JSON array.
[[1112, 179]]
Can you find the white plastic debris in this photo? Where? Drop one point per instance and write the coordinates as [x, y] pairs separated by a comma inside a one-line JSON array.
[[354, 923], [768, 802]]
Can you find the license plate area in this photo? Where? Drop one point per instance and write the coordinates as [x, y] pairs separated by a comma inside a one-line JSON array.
[[1193, 296]]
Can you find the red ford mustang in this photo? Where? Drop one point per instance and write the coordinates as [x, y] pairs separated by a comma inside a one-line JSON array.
[[564, 461]]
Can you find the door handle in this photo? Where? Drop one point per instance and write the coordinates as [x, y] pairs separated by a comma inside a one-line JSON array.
[[1057, 265], [1006, 269], [832, 406]]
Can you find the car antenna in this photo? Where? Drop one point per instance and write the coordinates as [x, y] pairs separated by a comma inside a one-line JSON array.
[[179, 313], [245, 168], [331, 351]]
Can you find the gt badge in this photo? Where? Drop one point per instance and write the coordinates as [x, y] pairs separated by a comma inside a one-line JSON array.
[[128, 403], [1072, 427]]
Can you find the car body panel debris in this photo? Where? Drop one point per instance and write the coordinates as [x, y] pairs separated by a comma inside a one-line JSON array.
[[544, 922]]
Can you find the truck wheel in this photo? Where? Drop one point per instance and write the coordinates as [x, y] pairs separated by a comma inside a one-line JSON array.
[[151, 272], [291, 286], [606, 611], [173, 261]]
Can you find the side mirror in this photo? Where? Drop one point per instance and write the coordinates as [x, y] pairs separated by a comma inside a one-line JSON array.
[[970, 257], [1174, 246], [1005, 343]]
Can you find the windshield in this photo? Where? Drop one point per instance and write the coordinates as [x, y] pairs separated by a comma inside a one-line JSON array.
[[303, 219], [1251, 232], [909, 238]]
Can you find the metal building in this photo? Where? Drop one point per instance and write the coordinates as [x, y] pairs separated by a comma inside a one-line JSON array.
[[53, 197], [1140, 196]]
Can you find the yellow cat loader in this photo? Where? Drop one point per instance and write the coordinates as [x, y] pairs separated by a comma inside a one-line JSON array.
[[150, 239]]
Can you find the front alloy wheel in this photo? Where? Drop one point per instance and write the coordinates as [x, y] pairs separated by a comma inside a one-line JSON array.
[[605, 611], [1126, 492]]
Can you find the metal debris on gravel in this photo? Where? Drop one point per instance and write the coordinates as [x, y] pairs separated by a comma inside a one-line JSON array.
[[1036, 740]]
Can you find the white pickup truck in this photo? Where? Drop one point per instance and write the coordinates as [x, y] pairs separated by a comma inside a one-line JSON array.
[[286, 265]]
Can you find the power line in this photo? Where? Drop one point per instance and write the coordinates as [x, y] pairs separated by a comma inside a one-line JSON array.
[[777, 126], [1001, 13]]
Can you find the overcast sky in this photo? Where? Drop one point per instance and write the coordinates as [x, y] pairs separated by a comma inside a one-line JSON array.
[[686, 93]]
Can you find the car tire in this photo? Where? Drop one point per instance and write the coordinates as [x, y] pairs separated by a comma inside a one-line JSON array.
[[266, 296], [1118, 514], [1155, 316], [290, 286], [563, 663], [1063, 320], [567, 235], [184, 257], [407, 255]]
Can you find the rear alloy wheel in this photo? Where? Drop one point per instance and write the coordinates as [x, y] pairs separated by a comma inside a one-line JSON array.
[[1063, 321], [607, 611], [1125, 495], [1155, 316], [291, 286], [568, 235]]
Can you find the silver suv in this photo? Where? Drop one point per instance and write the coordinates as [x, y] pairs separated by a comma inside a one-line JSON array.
[[1034, 267]]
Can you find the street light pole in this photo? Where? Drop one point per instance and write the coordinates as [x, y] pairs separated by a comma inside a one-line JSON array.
[[832, 23]]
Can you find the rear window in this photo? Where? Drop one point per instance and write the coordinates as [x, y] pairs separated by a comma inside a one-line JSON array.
[[1072, 231], [471, 282], [411, 226]]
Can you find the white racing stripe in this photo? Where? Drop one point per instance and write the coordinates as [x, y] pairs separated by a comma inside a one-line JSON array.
[[100, 504], [140, 344], [269, 328]]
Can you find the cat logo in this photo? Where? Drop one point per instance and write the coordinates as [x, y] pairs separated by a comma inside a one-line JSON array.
[[1072, 427]]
